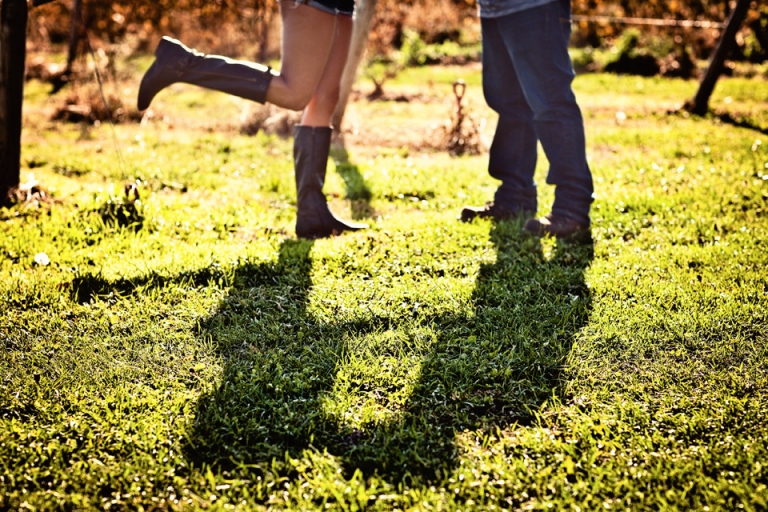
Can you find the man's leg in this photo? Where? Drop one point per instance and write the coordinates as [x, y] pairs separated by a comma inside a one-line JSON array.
[[512, 156], [537, 42]]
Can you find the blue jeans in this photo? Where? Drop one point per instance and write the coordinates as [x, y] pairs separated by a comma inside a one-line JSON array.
[[527, 75]]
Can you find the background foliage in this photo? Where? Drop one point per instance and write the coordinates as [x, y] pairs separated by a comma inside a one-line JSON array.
[[183, 351], [251, 27]]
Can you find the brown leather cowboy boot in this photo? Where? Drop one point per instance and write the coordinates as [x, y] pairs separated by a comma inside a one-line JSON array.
[[556, 225], [174, 63], [311, 145]]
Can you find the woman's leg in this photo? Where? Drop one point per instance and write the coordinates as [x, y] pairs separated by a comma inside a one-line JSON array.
[[312, 142], [323, 102], [308, 35]]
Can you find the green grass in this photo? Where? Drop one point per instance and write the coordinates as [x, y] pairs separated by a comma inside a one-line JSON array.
[[202, 357]]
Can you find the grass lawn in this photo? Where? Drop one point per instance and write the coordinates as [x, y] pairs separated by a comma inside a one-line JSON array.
[[187, 351]]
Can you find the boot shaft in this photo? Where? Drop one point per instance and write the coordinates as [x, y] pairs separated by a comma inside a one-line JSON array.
[[311, 146], [175, 62]]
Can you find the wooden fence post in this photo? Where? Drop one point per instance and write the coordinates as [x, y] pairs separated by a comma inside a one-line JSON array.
[[700, 103], [13, 41]]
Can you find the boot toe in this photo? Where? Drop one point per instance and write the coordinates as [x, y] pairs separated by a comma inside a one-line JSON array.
[[355, 226], [469, 213], [557, 226], [146, 90], [159, 76], [324, 226]]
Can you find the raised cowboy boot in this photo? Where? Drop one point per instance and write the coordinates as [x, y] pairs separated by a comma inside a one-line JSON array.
[[311, 145], [174, 63]]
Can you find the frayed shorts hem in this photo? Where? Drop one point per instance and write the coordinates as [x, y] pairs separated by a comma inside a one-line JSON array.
[[326, 6]]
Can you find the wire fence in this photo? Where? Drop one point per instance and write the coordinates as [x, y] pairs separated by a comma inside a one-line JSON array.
[[655, 22]]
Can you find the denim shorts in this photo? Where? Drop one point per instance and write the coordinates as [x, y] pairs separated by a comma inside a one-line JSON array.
[[335, 7]]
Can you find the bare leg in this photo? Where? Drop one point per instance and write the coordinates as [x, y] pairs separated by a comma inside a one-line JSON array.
[[308, 35], [323, 102]]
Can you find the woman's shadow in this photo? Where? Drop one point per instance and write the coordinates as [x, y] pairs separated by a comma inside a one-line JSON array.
[[491, 368]]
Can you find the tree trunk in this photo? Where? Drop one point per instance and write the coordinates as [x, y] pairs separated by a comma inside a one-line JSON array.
[[700, 103], [364, 12], [265, 16], [13, 40], [74, 35]]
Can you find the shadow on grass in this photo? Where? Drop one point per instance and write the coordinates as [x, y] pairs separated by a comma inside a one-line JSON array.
[[285, 372], [357, 190], [493, 367], [740, 122]]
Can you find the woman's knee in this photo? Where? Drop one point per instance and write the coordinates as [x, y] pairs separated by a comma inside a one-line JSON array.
[[298, 99], [321, 99], [296, 103], [296, 95]]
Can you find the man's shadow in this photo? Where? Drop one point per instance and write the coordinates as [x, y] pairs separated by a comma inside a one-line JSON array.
[[491, 368]]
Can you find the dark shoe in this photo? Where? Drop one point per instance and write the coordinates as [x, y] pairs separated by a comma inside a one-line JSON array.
[[492, 211], [557, 226], [174, 63], [314, 219]]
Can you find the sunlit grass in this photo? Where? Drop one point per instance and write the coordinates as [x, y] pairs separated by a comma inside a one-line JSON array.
[[205, 358]]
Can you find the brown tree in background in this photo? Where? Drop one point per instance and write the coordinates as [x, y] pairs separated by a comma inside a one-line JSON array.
[[700, 103], [13, 23]]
